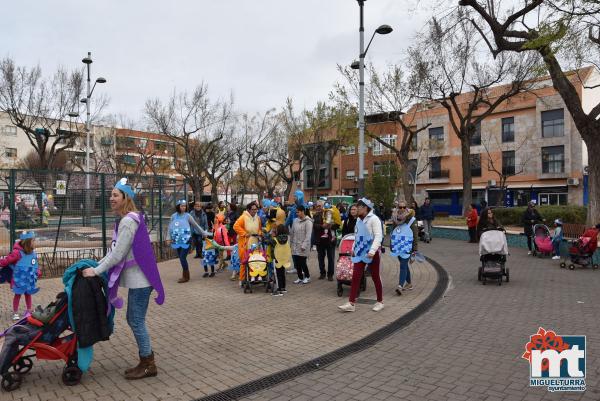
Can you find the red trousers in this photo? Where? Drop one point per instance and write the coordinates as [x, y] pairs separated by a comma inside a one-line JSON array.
[[357, 273]]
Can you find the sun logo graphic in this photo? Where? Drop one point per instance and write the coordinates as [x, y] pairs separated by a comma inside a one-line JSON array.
[[557, 362]]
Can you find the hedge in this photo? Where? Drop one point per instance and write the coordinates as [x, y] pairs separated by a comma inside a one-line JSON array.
[[512, 216]]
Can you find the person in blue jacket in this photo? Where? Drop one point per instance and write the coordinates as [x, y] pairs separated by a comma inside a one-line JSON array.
[[298, 201], [181, 234]]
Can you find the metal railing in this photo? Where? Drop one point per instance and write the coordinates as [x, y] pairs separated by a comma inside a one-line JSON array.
[[73, 223], [439, 174]]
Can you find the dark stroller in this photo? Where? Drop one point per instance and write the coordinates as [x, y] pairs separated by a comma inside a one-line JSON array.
[[493, 250], [40, 340]]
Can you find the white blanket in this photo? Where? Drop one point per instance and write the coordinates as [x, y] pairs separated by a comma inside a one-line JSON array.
[[493, 241]]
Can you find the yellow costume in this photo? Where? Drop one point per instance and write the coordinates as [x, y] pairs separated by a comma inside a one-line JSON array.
[[282, 254], [245, 226], [257, 263]]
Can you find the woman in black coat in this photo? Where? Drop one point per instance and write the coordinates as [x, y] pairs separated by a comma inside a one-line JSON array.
[[350, 223]]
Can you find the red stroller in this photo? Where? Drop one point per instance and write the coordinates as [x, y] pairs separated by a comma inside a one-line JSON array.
[[344, 267], [581, 252], [542, 241], [45, 343]]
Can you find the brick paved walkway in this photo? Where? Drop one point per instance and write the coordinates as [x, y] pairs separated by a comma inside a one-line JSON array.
[[209, 336], [469, 345]]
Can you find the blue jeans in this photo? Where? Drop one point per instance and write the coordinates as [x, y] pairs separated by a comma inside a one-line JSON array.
[[556, 246], [137, 305], [404, 271], [182, 253]]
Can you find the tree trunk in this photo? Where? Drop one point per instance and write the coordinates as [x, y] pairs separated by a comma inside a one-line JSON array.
[[288, 189], [407, 187], [465, 146], [214, 191], [593, 207]]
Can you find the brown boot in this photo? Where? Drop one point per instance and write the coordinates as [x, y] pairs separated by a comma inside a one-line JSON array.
[[129, 370], [146, 368], [185, 278]]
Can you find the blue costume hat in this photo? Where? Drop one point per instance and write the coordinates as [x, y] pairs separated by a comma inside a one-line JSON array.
[[27, 235], [327, 205], [366, 202], [181, 202], [125, 188], [266, 203]]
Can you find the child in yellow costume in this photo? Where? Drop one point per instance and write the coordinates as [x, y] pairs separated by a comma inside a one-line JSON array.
[[247, 228], [257, 263], [282, 256]]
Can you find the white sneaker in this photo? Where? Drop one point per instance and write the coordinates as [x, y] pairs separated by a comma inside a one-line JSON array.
[[306, 280], [378, 306], [408, 287], [298, 281], [347, 307], [528, 252], [555, 257], [16, 317], [259, 278], [291, 271]]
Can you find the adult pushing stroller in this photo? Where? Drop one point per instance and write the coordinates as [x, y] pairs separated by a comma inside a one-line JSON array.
[[344, 267], [581, 252], [40, 337], [542, 241], [493, 250]]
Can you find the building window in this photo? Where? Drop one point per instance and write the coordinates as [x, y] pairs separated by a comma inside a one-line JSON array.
[[412, 168], [508, 162], [414, 143], [435, 168], [11, 153], [383, 168], [508, 129], [125, 142], [129, 159], [296, 176], [159, 146], [553, 123], [350, 174], [379, 149], [350, 150], [475, 165], [10, 130], [553, 199], [335, 173], [476, 138], [436, 137], [553, 159]]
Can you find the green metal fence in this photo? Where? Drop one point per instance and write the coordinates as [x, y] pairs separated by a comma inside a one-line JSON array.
[[71, 215]]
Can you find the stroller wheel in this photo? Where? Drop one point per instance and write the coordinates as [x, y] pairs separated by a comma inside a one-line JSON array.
[[23, 365], [340, 290], [563, 265], [595, 266], [507, 275], [533, 253], [71, 375], [479, 274], [11, 381], [571, 266]]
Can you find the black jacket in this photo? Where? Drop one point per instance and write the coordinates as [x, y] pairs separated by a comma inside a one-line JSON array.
[[348, 225], [89, 310]]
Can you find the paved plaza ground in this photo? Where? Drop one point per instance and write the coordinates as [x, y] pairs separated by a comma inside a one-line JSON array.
[[209, 336], [469, 345]]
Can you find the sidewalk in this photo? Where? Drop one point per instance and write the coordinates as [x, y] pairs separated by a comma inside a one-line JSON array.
[[209, 336]]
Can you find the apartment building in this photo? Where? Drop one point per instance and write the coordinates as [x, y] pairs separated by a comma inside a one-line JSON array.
[[530, 144]]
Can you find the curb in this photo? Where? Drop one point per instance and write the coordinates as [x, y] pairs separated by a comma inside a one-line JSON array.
[[255, 386]]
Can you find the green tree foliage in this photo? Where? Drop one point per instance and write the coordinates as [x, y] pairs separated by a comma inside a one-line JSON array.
[[381, 186]]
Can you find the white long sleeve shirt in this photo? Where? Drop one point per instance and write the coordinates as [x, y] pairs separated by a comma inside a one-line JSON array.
[[374, 226]]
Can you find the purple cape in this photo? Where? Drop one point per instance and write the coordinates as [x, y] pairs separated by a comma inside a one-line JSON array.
[[144, 258]]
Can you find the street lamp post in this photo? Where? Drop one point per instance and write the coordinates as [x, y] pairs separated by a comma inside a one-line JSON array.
[[382, 30], [88, 61]]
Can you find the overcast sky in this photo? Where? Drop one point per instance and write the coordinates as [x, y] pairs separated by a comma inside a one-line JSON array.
[[261, 50]]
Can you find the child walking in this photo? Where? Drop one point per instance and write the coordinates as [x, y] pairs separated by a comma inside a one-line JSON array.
[[25, 271], [282, 257], [234, 262]]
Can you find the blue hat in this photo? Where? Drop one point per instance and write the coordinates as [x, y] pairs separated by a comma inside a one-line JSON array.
[[125, 188], [27, 235], [310, 204], [367, 202], [327, 205], [266, 202], [181, 202]]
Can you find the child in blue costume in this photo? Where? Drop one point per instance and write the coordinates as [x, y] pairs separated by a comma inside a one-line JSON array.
[[181, 233], [234, 262], [23, 262]]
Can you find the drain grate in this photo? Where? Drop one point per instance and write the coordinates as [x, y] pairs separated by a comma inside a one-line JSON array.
[[366, 301], [244, 390]]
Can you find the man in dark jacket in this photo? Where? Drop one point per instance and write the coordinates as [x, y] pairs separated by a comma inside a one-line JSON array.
[[200, 217], [427, 215], [531, 217], [324, 234]]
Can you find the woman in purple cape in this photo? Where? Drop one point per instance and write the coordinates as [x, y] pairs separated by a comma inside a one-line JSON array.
[[131, 264]]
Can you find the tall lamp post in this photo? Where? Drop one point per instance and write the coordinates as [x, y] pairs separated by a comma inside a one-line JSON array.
[[360, 66], [88, 61]]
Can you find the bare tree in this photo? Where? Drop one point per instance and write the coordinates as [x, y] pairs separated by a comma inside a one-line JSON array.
[[448, 69], [40, 105], [566, 34], [193, 122], [390, 94]]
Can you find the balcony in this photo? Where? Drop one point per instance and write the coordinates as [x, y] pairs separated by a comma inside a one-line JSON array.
[[106, 141], [433, 174]]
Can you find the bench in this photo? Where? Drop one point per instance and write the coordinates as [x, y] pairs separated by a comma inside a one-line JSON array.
[[573, 231], [442, 214]]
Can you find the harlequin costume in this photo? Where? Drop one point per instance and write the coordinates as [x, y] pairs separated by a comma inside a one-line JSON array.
[[245, 226]]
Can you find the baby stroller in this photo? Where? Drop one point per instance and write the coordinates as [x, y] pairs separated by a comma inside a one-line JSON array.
[[420, 230], [581, 252], [344, 266], [493, 250], [40, 338], [257, 267], [542, 241]]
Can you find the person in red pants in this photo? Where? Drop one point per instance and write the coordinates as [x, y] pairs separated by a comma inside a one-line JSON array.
[[367, 243]]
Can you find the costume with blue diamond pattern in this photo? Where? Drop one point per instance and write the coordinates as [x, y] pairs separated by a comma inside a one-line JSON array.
[[362, 243], [179, 230], [402, 240]]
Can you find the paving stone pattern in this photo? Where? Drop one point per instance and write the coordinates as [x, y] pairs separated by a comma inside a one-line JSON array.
[[469, 345], [209, 336]]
